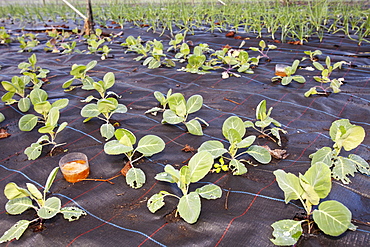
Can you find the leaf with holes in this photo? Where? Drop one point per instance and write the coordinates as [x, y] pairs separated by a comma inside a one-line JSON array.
[[135, 178], [72, 213], [50, 209], [286, 232], [15, 232]]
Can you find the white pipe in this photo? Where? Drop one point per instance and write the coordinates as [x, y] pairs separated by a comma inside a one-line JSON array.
[[76, 10]]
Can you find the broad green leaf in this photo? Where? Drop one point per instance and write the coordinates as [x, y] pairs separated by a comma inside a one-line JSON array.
[[107, 105], [299, 79], [335, 85], [246, 142], [215, 148], [53, 117], [324, 155], [286, 80], [114, 147], [170, 175], [262, 44], [332, 217], [318, 66], [34, 191], [237, 167], [170, 117], [194, 127], [27, 122], [200, 164], [50, 209], [8, 98], [290, 184], [87, 83], [261, 110], [194, 103], [8, 86], [15, 232], [119, 133], [310, 92], [342, 168], [361, 164], [286, 232], [18, 205], [33, 151], [235, 123], [184, 180], [91, 65], [98, 86], [260, 154], [12, 191], [353, 138], [156, 202], [42, 108], [234, 137], [177, 104], [90, 110], [46, 129], [72, 213], [60, 103], [189, 207], [50, 179], [109, 80], [346, 135], [61, 127], [209, 191], [160, 97], [107, 131], [68, 83], [135, 178], [38, 95], [248, 124], [24, 104], [319, 177], [2, 117], [309, 194], [121, 108], [150, 144]]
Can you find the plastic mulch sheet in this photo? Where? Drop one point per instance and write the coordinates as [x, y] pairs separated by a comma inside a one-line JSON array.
[[117, 215]]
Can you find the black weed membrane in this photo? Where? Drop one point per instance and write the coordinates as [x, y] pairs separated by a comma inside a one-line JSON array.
[[117, 215]]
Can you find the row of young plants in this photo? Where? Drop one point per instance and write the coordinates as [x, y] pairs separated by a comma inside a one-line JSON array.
[[292, 21], [200, 59], [27, 91]]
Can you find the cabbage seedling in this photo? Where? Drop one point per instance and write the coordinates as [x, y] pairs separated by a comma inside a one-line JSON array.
[[332, 217], [180, 109], [263, 121], [261, 50], [79, 73], [21, 199], [163, 101], [189, 205], [233, 129], [348, 136], [17, 86], [49, 116], [124, 144], [334, 84]]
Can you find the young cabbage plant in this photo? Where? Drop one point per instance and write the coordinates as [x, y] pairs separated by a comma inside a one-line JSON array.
[[175, 43], [261, 50], [79, 73], [332, 217], [95, 42], [34, 72], [163, 101], [21, 199], [197, 61], [180, 109], [263, 121], [49, 117], [348, 136], [27, 42], [183, 53], [233, 129], [106, 106], [189, 206], [312, 55], [234, 59], [124, 144], [17, 87], [4, 36], [324, 79], [157, 57], [135, 45], [290, 71]]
